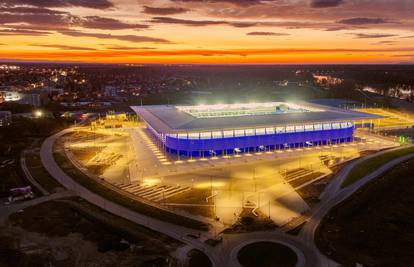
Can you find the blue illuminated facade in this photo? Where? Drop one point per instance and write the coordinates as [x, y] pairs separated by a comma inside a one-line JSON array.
[[209, 130], [189, 144]]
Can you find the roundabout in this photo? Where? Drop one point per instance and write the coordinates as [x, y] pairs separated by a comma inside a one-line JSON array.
[[268, 249]]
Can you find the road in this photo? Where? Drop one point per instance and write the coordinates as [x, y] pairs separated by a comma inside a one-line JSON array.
[[29, 176]]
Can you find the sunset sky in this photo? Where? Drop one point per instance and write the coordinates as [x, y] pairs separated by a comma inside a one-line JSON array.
[[208, 31]]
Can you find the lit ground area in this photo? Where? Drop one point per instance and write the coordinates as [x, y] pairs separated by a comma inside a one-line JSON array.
[[374, 227], [407, 132], [105, 153], [72, 232], [265, 182], [392, 118]]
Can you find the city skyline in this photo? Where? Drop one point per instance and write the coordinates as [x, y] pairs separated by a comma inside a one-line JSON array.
[[209, 31]]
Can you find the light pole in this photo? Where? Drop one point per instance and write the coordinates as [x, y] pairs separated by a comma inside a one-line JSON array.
[[254, 179], [269, 208], [163, 195]]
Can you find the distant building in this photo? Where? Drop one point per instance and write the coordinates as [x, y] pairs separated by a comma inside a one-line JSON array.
[[110, 91], [195, 92], [119, 116], [30, 99], [52, 90], [5, 118], [33, 99], [9, 96]]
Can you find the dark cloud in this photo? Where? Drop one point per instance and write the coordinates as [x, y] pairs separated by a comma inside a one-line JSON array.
[[128, 38], [23, 32], [43, 18], [64, 47], [120, 47], [268, 33], [199, 23], [95, 22], [326, 3], [336, 28], [29, 10], [241, 24], [372, 35], [164, 10], [98, 4], [234, 2], [187, 22], [364, 21], [399, 11], [385, 43], [246, 24]]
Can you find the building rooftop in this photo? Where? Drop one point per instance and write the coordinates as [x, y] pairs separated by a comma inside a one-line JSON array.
[[175, 119]]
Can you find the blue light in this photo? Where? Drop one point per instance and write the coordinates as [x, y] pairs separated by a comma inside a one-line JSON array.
[[219, 146]]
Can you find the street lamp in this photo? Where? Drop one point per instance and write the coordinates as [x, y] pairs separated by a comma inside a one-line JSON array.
[[38, 113]]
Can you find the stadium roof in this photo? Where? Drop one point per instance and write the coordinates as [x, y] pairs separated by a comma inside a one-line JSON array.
[[170, 119]]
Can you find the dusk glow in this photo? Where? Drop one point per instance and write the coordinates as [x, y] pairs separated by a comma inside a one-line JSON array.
[[208, 31]]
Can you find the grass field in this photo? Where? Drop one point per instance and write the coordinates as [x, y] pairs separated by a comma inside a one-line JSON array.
[[374, 227], [264, 254], [40, 174], [88, 235], [125, 201], [367, 166]]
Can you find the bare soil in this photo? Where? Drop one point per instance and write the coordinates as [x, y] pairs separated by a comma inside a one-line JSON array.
[[76, 233], [248, 222]]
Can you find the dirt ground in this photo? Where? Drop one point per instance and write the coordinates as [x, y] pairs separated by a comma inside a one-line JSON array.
[[248, 222], [375, 227], [76, 233]]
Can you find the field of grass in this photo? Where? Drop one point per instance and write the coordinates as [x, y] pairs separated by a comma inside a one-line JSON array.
[[374, 227], [89, 236], [264, 254], [125, 201], [198, 259], [40, 174], [367, 166]]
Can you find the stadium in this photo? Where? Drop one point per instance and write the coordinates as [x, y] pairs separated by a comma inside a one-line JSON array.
[[210, 130]]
